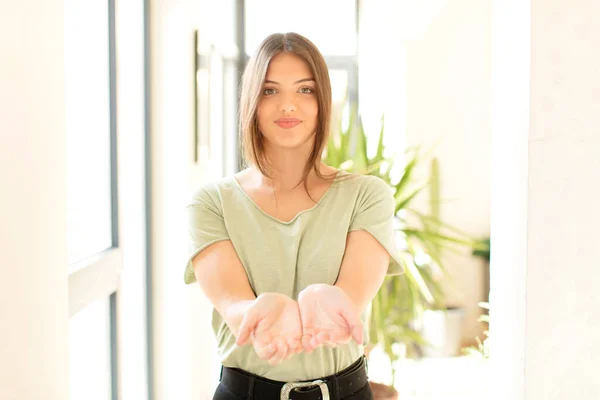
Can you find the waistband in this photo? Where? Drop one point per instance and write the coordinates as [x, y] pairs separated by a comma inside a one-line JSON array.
[[340, 385]]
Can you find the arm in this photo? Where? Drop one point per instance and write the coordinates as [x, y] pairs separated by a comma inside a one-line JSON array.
[[363, 268], [223, 280], [270, 321], [331, 314]]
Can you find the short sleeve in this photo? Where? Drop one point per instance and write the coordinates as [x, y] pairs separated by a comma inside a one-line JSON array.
[[374, 213], [205, 225]]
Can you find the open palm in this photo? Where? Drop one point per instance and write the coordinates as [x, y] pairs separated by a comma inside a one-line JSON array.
[[273, 326], [328, 317]]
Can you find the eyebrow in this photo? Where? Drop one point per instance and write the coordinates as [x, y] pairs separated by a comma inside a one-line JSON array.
[[300, 81]]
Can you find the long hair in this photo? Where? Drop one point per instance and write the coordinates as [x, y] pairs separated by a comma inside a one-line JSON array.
[[253, 79]]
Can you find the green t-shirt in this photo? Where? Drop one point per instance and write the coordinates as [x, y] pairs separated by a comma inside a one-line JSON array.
[[286, 257]]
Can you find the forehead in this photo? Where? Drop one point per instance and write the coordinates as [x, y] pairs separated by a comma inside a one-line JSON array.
[[288, 66]]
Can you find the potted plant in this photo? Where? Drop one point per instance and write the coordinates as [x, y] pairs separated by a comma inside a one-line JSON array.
[[400, 302]]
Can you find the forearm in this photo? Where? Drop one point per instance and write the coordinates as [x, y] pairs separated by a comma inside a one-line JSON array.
[[224, 282], [231, 305], [361, 289], [363, 268], [233, 313]]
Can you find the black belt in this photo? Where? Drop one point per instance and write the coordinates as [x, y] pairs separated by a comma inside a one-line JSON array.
[[340, 385]]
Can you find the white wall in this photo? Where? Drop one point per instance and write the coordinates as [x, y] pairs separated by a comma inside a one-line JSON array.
[[545, 265], [511, 46], [33, 256], [563, 257]]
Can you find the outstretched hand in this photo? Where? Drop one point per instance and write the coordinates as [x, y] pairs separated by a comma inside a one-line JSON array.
[[279, 327], [272, 324], [328, 316]]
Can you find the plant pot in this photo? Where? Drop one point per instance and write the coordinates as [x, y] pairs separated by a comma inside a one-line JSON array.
[[383, 392], [442, 330]]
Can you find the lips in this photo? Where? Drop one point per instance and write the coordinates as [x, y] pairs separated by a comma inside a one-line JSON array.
[[287, 123]]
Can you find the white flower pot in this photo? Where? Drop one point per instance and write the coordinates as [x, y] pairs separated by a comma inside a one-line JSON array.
[[442, 329]]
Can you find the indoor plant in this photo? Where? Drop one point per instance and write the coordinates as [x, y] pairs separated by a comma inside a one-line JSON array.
[[401, 299]]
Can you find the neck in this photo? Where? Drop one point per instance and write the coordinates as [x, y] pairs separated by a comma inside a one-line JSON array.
[[286, 167]]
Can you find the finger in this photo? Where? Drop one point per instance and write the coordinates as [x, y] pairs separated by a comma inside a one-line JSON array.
[[355, 326], [323, 338], [294, 345], [281, 346], [290, 353], [314, 343], [329, 343], [279, 355], [248, 324], [306, 339], [340, 337], [357, 333], [265, 352], [298, 349], [291, 350]]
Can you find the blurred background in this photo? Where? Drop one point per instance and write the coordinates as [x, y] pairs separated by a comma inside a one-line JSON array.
[[478, 113]]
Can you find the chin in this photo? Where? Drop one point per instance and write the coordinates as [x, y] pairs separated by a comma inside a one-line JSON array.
[[289, 140]]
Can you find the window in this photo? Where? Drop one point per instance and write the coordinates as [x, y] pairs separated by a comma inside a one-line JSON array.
[[88, 130], [89, 359], [92, 231]]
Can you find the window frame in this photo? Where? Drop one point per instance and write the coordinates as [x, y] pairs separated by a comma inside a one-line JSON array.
[[98, 276]]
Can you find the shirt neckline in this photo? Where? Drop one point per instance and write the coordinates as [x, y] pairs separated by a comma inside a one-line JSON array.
[[329, 189]]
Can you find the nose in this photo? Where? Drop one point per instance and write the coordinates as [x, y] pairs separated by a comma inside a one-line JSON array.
[[287, 105]]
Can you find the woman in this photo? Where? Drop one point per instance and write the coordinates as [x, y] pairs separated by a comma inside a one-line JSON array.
[[290, 251]]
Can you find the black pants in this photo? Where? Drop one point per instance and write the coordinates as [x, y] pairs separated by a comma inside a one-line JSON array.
[[225, 393]]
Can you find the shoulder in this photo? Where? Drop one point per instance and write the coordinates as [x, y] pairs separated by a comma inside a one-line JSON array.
[[211, 192], [365, 185], [370, 193]]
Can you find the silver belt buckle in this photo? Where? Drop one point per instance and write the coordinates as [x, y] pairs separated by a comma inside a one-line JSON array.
[[290, 386]]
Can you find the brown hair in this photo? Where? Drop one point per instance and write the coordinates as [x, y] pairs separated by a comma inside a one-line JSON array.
[[251, 89]]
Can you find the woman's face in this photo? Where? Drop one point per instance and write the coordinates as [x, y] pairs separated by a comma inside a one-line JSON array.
[[288, 109]]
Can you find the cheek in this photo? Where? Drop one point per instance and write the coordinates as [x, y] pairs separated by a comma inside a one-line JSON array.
[[262, 113], [311, 109]]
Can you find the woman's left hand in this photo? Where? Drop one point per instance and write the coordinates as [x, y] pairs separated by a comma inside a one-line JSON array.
[[329, 317]]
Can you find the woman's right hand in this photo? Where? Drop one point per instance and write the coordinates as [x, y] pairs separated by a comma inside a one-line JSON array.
[[272, 323]]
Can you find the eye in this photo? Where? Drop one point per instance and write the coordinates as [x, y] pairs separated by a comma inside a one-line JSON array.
[[268, 91], [307, 90]]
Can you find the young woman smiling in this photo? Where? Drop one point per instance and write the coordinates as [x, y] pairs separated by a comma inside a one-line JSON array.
[[290, 251]]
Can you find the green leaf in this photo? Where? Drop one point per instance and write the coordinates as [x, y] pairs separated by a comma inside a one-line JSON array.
[[439, 238], [360, 150], [333, 155], [406, 178], [380, 148], [402, 199], [415, 277], [439, 225]]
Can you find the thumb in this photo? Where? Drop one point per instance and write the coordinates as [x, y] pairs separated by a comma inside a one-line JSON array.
[[357, 332], [355, 326], [247, 325]]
